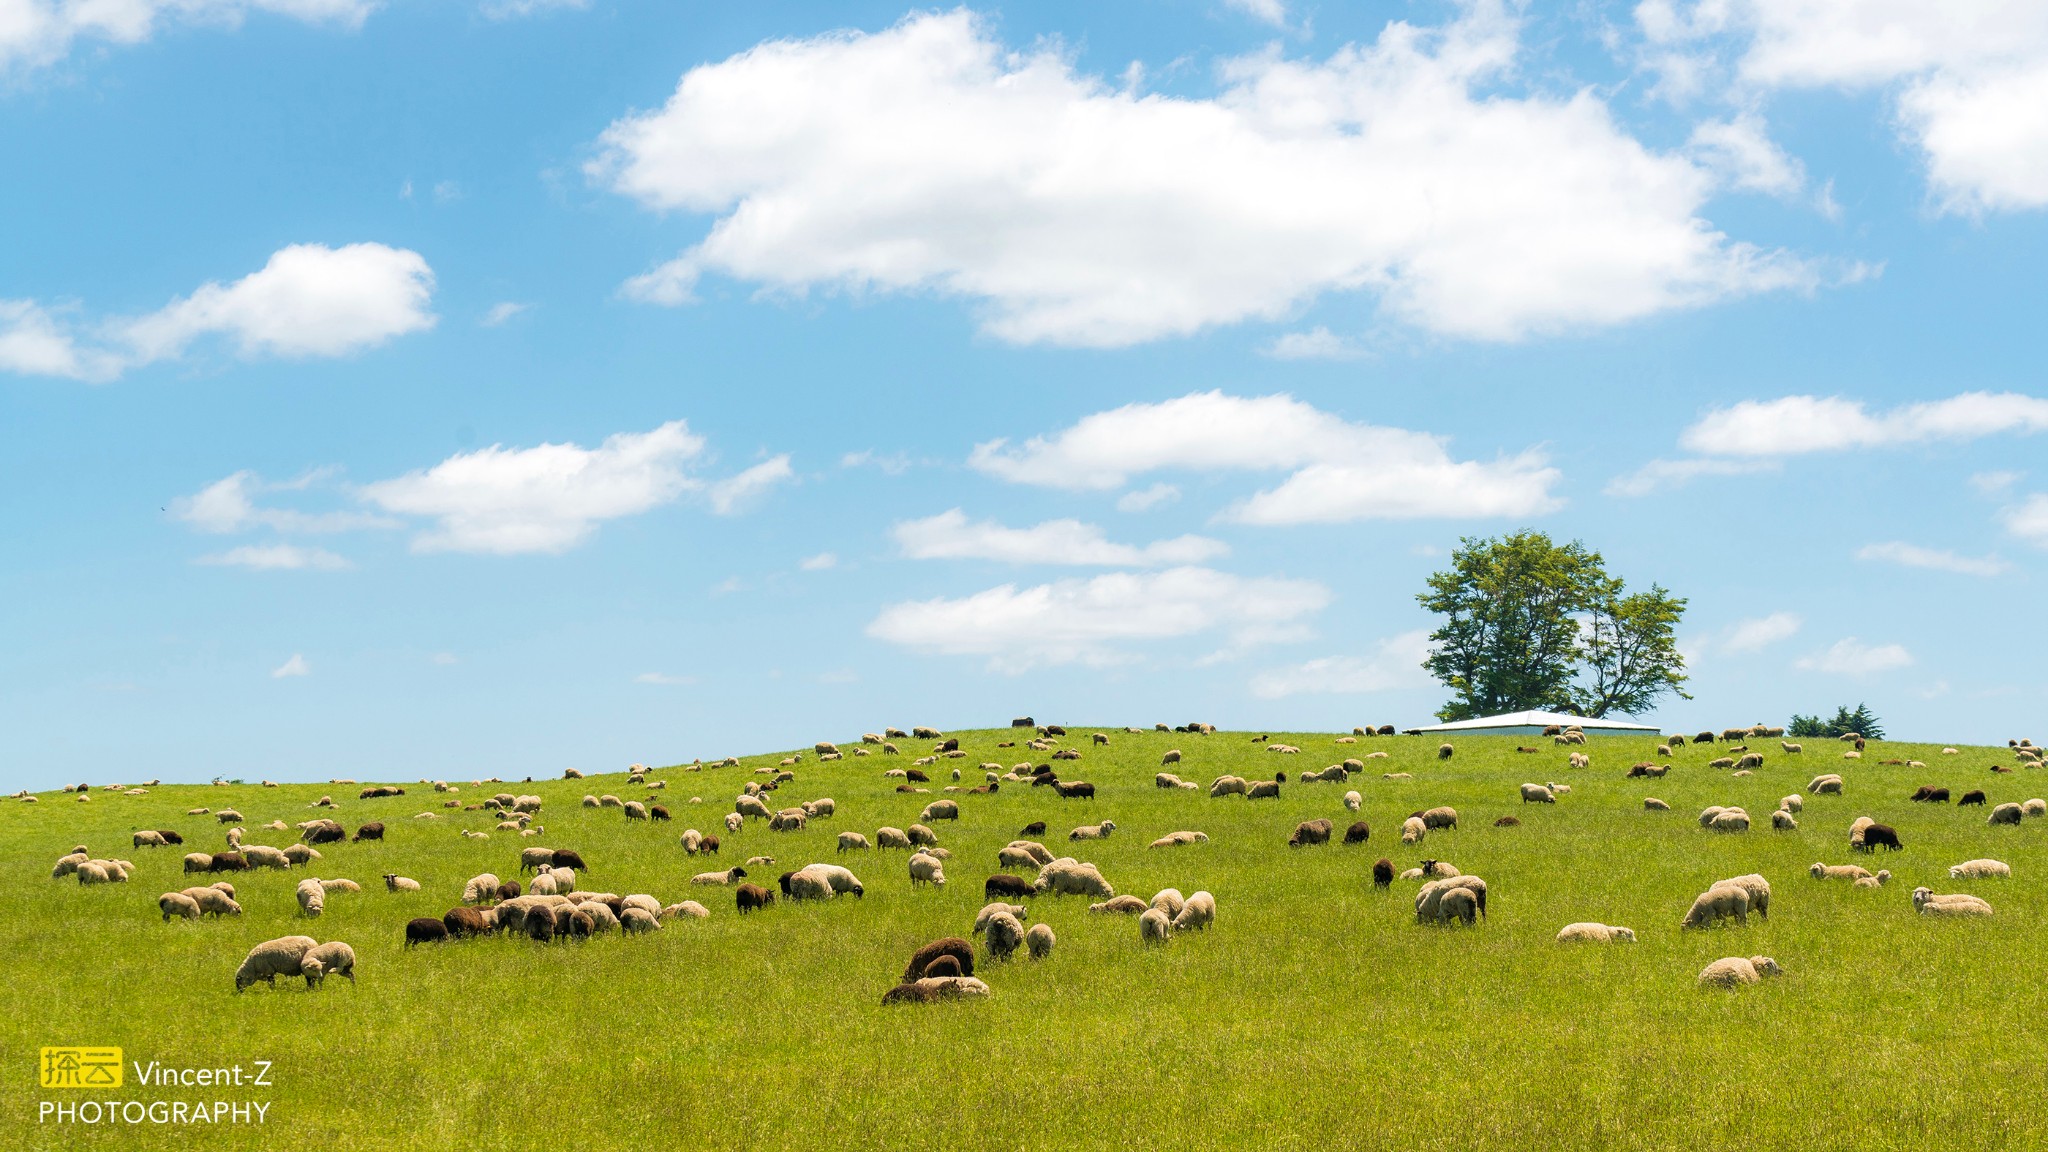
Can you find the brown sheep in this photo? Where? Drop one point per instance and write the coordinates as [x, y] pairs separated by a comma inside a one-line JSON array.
[[371, 831], [1508, 822], [229, 862], [1973, 796], [908, 994], [752, 896], [565, 858], [424, 930], [708, 846], [1078, 789], [1310, 832], [462, 922], [1382, 872], [959, 950], [1358, 833], [1444, 751], [1035, 828], [1004, 886], [325, 832], [509, 890]]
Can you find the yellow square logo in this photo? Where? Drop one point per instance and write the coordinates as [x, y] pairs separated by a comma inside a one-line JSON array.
[[81, 1067]]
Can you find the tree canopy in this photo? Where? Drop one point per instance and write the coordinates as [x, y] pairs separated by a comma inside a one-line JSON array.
[[1861, 721], [1530, 623]]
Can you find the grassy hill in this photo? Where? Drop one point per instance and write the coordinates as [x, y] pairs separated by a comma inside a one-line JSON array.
[[1315, 1011]]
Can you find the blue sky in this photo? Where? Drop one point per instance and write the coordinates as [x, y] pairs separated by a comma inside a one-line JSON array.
[[442, 389]]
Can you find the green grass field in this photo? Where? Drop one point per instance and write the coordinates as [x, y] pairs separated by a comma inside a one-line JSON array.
[[1315, 1012]]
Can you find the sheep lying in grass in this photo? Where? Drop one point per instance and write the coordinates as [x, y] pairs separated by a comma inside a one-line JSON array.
[[267, 961], [726, 877], [1178, 839], [1928, 903], [1736, 971], [1979, 870], [1595, 933], [1093, 831], [1652, 804], [397, 883], [689, 908], [1821, 871]]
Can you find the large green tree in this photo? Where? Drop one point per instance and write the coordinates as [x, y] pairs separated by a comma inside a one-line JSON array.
[[1531, 623]]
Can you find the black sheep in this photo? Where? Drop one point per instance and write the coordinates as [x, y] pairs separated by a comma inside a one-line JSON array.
[[906, 994], [1002, 885], [1079, 789], [541, 923], [425, 929], [170, 837], [960, 950], [1382, 872], [1880, 836], [1508, 822], [371, 831], [229, 862], [567, 858], [1035, 828], [1358, 833], [1973, 796], [943, 966], [917, 776], [509, 890], [325, 832]]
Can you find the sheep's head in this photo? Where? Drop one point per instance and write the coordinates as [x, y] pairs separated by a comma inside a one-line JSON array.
[[1884, 876], [1628, 934], [1765, 966], [1921, 895]]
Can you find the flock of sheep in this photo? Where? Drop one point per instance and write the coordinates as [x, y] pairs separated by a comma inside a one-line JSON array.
[[551, 906]]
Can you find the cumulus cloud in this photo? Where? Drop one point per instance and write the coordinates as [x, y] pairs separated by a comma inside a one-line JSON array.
[[1081, 211], [1798, 424], [307, 300], [1089, 621], [502, 312], [1659, 475], [2029, 520], [296, 666], [1272, 12], [1393, 663], [734, 493], [952, 536], [1341, 471], [229, 505], [1970, 77], [1761, 632], [38, 32], [1742, 153], [1147, 498], [544, 499], [1318, 343], [1914, 556], [822, 562], [278, 557], [1852, 657]]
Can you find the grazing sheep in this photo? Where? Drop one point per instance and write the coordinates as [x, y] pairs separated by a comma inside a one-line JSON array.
[[720, 878], [1783, 821], [1353, 801], [1382, 872], [1169, 901], [1537, 794], [1877, 836], [1196, 914], [926, 869], [734, 822], [1716, 904], [312, 897], [1228, 786], [841, 880], [940, 810], [1825, 785], [177, 904], [1928, 903], [1595, 933], [1973, 796], [1736, 971], [960, 951], [267, 961], [1154, 927], [1759, 890], [636, 921], [805, 886], [2007, 813], [264, 856], [333, 958], [1311, 832], [1413, 830], [1442, 817], [1729, 820], [1652, 804], [150, 839], [751, 896], [1979, 869], [1444, 751], [981, 919], [1795, 803], [1750, 760], [1359, 832], [462, 922], [371, 831], [1093, 831], [1792, 749], [788, 820], [1039, 940], [1067, 876], [688, 908], [1457, 904], [2034, 808], [214, 901], [1005, 935]]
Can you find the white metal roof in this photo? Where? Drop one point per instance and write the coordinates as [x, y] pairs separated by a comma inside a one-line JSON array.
[[1537, 719]]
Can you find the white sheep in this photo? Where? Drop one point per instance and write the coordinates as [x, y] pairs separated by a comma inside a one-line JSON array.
[[1040, 940], [214, 901], [1093, 831], [397, 883], [1719, 902], [727, 877], [1595, 933], [1154, 927], [333, 958], [988, 910], [1979, 870], [1413, 830], [1652, 804], [1735, 971], [1067, 876], [1821, 871], [926, 869], [1005, 934], [267, 961], [634, 921], [1176, 839], [1829, 784], [312, 897], [2034, 808], [2007, 813], [689, 908], [1928, 903], [1197, 913], [177, 904], [1353, 801], [1795, 803], [1783, 821], [1538, 794], [481, 889], [841, 880]]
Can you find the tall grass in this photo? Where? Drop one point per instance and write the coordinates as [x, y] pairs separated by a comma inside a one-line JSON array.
[[1314, 1012]]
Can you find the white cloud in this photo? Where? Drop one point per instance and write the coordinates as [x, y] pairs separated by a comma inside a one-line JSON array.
[[664, 679], [1340, 471], [951, 536], [1658, 475], [1754, 635], [307, 300], [444, 658], [1272, 12], [894, 464], [545, 499], [1994, 483], [733, 493], [839, 676], [1914, 556], [228, 505], [296, 666], [1743, 154], [1086, 621], [1970, 76], [1394, 663], [38, 32], [1081, 211], [1796, 424], [1147, 498], [2029, 521], [823, 561], [1852, 657], [1318, 343], [503, 311], [279, 557]]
